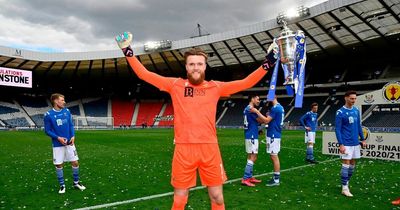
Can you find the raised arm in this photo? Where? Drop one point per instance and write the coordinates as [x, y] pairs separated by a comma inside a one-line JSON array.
[[228, 88], [162, 83], [156, 80]]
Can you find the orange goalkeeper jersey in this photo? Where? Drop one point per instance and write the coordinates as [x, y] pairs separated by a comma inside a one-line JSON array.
[[194, 105]]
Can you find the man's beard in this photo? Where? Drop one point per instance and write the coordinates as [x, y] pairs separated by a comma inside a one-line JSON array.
[[194, 81]]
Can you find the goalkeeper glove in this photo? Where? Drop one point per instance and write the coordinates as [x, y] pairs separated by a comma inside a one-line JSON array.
[[272, 56], [124, 42]]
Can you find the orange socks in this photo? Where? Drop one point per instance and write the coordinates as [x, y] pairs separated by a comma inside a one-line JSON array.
[[179, 202], [215, 206]]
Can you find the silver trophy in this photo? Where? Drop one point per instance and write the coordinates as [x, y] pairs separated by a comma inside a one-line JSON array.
[[287, 47], [291, 47]]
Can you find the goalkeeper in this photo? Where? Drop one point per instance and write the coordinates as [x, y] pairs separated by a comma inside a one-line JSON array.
[[195, 101]]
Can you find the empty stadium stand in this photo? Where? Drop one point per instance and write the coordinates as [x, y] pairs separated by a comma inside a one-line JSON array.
[[384, 116], [4, 109], [32, 101], [166, 117], [74, 110], [234, 114], [35, 107], [122, 111], [148, 110], [328, 118], [296, 113], [29, 113], [16, 122], [13, 115], [95, 108]]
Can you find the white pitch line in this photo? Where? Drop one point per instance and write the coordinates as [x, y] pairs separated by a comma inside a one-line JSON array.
[[192, 189], [291, 148]]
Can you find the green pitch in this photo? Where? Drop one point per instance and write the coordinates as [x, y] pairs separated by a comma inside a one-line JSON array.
[[128, 164]]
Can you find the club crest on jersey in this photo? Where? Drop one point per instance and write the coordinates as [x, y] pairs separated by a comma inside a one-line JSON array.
[[351, 119]]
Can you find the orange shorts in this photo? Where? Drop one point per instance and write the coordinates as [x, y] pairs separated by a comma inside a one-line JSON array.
[[190, 157]]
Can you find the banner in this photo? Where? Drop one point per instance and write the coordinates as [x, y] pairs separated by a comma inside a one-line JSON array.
[[300, 65], [15, 77], [385, 146], [274, 78]]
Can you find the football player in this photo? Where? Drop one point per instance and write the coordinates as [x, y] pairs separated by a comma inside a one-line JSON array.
[[309, 122], [59, 126]]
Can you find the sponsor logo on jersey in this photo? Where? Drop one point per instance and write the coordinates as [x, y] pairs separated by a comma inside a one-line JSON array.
[[191, 92]]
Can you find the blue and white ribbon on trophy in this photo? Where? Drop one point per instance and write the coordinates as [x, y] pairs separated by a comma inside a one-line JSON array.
[[292, 54], [274, 78], [301, 67]]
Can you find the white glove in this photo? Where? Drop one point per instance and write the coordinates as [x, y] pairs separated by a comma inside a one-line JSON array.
[[124, 40], [273, 47]]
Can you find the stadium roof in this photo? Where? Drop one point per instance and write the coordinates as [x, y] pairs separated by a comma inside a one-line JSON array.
[[335, 27]]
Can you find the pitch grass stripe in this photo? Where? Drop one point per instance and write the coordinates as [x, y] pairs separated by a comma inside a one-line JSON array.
[[295, 149], [192, 189], [290, 148]]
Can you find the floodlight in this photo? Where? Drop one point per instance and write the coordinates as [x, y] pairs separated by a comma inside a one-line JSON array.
[[292, 14], [157, 45]]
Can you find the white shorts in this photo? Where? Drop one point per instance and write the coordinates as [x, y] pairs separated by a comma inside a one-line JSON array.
[[273, 145], [351, 152], [64, 154], [309, 137], [251, 146]]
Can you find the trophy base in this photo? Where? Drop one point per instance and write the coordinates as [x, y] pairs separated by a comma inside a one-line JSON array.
[[289, 81]]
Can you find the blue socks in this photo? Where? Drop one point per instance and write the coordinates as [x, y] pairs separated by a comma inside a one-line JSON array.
[[310, 153], [344, 173], [60, 176], [351, 171], [277, 176], [75, 174], [248, 171]]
